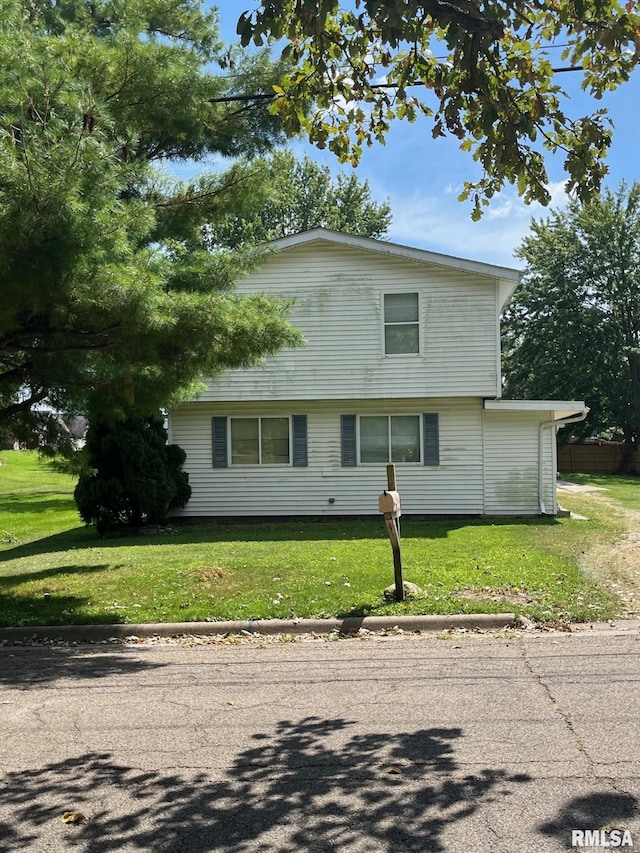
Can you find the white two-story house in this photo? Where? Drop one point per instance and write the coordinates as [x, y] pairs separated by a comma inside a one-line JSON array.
[[401, 364]]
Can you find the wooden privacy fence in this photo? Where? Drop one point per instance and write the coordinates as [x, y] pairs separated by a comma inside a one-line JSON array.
[[605, 457]]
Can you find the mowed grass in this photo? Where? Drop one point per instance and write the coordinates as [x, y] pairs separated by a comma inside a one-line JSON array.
[[54, 570], [623, 489]]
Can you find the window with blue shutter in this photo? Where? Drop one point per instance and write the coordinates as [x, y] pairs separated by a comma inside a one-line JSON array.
[[299, 434], [259, 441], [348, 440], [389, 438], [219, 442], [431, 438]]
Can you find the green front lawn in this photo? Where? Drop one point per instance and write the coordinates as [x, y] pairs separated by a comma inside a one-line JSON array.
[[625, 489], [55, 571]]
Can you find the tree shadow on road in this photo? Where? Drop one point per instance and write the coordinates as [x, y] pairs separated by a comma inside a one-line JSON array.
[[22, 668], [593, 811], [313, 785]]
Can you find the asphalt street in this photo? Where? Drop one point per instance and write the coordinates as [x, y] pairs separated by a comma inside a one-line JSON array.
[[466, 744]]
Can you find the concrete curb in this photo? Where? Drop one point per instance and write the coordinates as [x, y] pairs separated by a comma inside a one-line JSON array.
[[348, 625]]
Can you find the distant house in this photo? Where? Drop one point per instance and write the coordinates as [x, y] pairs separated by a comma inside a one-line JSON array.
[[70, 428], [401, 364]]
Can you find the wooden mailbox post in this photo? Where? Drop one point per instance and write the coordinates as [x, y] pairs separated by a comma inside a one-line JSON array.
[[389, 505]]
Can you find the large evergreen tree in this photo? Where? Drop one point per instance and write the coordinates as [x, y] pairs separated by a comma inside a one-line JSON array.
[[108, 294], [572, 330]]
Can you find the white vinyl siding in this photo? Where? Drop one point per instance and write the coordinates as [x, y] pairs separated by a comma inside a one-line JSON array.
[[340, 310], [453, 487], [401, 357], [511, 452]]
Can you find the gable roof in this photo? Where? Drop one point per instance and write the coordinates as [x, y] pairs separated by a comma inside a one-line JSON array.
[[507, 277]]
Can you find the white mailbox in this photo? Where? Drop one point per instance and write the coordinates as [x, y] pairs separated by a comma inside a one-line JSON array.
[[390, 502]]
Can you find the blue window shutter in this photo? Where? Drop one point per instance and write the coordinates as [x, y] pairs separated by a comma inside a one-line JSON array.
[[431, 435], [348, 439], [299, 442], [219, 442]]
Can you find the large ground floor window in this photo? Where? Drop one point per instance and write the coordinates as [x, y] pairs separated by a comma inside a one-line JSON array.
[[260, 441], [389, 438]]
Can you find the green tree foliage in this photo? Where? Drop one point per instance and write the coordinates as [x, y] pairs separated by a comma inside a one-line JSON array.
[[300, 195], [482, 72], [134, 477], [107, 290], [572, 330]]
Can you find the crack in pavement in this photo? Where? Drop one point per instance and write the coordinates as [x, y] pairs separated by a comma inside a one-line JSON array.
[[562, 714], [499, 840]]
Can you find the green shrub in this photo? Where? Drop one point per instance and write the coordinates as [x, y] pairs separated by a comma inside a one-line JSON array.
[[134, 478]]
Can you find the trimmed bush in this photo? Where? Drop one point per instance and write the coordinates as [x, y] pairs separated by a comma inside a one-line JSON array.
[[135, 478]]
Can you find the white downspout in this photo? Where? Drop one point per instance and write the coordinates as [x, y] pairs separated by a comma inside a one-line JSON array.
[[560, 423], [543, 426]]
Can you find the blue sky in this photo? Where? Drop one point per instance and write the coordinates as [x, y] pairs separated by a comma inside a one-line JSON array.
[[421, 177]]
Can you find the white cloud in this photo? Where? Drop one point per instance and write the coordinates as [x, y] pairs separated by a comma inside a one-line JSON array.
[[443, 224]]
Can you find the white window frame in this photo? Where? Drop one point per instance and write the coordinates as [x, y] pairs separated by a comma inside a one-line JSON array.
[[259, 463], [417, 323], [388, 416]]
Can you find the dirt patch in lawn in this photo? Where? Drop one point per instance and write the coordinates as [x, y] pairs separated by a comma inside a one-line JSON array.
[[207, 574]]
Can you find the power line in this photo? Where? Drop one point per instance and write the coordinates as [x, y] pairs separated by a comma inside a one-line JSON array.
[[269, 96]]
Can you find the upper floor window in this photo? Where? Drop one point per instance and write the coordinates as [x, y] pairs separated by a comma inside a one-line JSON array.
[[401, 323], [260, 441]]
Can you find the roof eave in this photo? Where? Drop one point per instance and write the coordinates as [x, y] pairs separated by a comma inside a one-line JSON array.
[[511, 277], [554, 409]]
